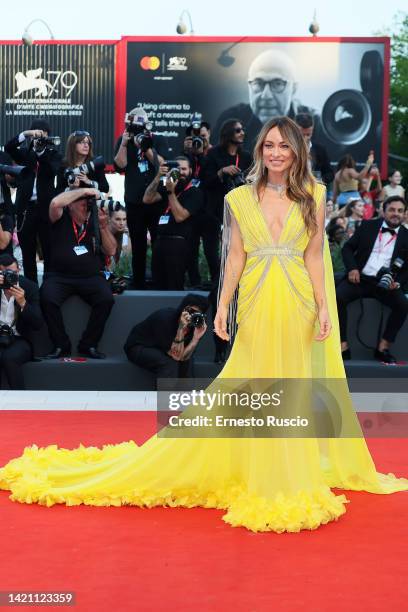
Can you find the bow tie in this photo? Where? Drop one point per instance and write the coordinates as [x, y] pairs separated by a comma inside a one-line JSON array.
[[387, 229]]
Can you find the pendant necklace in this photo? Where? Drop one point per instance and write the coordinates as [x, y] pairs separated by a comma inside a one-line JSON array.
[[278, 187]]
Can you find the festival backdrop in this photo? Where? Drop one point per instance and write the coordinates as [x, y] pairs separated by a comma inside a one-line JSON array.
[[343, 82], [71, 84]]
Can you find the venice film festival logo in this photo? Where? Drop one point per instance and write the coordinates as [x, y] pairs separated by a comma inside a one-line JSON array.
[[44, 92], [154, 63], [58, 81]]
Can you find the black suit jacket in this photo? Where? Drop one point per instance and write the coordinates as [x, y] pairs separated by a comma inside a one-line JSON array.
[[30, 318], [48, 163], [321, 162], [357, 249], [7, 205]]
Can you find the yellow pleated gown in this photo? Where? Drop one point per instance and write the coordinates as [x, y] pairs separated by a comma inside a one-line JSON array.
[[266, 484]]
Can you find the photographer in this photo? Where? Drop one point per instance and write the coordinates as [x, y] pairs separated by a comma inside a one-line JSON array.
[[6, 217], [20, 314], [79, 167], [36, 149], [376, 260], [165, 341], [319, 159], [224, 169], [205, 226], [80, 239], [225, 166], [137, 154], [7, 182], [181, 202], [196, 145]]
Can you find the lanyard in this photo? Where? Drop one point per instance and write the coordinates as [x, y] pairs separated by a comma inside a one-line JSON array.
[[79, 238], [393, 237], [237, 161], [186, 188], [197, 171]]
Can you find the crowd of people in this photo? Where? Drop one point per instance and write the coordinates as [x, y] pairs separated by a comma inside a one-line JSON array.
[[57, 209]]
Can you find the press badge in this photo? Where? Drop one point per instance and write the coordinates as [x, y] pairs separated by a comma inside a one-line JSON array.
[[143, 166], [80, 249], [164, 219], [195, 182]]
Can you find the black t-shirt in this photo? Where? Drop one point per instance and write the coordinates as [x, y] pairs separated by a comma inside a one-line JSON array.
[[217, 158], [7, 226], [139, 171], [192, 199], [64, 260], [97, 175]]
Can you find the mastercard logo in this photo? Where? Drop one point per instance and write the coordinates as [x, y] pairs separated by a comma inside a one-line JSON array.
[[150, 63]]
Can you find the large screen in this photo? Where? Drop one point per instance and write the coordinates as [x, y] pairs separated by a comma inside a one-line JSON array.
[[341, 83]]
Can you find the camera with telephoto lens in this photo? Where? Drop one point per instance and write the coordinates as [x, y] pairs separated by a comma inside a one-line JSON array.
[[231, 182], [174, 173], [140, 129], [17, 172], [10, 279], [70, 174], [386, 276], [109, 204], [174, 170], [197, 141], [39, 144]]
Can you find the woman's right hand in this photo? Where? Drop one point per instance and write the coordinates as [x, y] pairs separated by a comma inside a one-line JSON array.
[[220, 322]]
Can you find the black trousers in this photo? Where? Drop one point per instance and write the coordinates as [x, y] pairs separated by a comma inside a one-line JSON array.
[[94, 290], [32, 224], [169, 263], [158, 362], [347, 292], [11, 360], [208, 228], [140, 219]]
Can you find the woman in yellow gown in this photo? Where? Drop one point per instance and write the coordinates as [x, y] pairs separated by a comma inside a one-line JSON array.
[[276, 249]]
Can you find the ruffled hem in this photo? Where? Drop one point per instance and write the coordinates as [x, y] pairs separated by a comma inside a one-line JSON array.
[[29, 478]]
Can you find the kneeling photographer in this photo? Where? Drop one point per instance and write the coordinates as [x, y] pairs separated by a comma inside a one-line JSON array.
[[80, 168], [164, 342], [181, 201], [38, 151], [376, 260], [80, 241], [20, 315]]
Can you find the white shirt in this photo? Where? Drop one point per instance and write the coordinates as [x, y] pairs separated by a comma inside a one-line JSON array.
[[8, 312], [382, 252]]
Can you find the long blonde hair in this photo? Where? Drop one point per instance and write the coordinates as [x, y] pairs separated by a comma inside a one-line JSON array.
[[300, 179]]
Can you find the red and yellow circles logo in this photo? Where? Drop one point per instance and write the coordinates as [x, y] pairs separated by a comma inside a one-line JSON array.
[[150, 63]]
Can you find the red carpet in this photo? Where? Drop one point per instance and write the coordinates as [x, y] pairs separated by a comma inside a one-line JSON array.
[[124, 559]]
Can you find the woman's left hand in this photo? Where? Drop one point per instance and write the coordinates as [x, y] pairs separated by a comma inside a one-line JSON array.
[[83, 178], [325, 324]]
